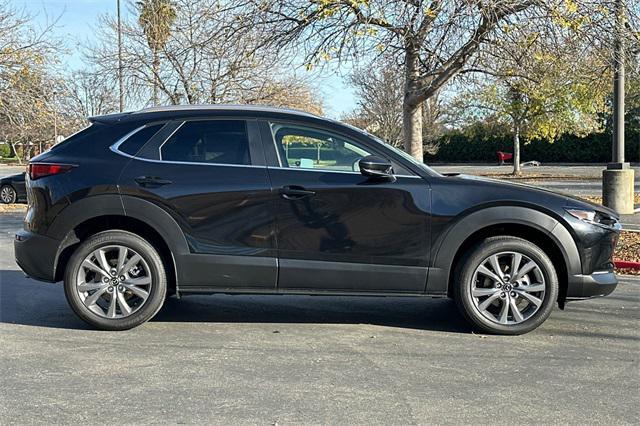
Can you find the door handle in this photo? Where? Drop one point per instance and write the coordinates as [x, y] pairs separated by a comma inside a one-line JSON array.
[[151, 181], [295, 192]]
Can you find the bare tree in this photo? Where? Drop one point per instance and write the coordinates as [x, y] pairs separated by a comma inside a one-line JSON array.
[[201, 60], [432, 39], [379, 100], [86, 94], [27, 110], [435, 40]]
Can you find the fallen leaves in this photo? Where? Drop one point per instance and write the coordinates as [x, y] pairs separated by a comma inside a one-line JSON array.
[[628, 248]]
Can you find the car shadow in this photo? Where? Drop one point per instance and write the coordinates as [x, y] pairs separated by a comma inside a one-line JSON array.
[[28, 302]]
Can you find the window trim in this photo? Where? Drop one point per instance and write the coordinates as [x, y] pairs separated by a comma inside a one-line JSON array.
[[116, 146], [253, 135], [166, 140]]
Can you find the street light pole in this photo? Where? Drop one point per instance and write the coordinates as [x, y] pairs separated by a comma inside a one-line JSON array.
[[120, 77], [55, 118], [617, 179], [618, 88]]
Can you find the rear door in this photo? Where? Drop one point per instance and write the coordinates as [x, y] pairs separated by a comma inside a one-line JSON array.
[[210, 175]]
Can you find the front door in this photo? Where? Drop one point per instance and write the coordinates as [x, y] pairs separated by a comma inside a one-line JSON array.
[[337, 230]]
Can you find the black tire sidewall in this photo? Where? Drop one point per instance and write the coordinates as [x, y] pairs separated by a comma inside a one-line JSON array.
[[146, 251], [480, 252], [15, 194]]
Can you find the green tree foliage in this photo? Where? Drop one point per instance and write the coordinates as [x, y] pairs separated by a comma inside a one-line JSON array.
[[539, 85]]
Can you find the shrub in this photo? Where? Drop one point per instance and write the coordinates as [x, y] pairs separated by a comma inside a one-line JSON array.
[[593, 148]]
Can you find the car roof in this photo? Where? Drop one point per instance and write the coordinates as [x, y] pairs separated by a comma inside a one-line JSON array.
[[177, 111]]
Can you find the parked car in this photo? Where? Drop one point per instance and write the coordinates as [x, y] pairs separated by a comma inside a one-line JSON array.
[[192, 200], [12, 189]]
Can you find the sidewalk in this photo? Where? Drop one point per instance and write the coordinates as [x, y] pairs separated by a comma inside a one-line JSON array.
[[631, 222]]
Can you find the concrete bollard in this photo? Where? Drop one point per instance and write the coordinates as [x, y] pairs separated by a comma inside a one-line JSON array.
[[617, 190]]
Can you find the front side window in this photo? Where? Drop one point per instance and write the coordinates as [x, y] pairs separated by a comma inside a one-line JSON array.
[[209, 141], [308, 148]]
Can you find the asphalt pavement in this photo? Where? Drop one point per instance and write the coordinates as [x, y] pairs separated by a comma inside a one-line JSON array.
[[294, 359]]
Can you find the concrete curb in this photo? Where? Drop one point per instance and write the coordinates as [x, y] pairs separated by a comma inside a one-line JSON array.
[[627, 264]]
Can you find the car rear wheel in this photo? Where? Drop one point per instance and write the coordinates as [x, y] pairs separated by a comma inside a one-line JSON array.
[[115, 280], [8, 195], [506, 285]]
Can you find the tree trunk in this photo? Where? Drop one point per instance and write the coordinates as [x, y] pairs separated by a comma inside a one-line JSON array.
[[156, 66], [14, 152], [516, 150], [412, 126], [412, 109]]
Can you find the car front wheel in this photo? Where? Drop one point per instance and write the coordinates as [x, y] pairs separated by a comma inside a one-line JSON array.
[[115, 280], [506, 285]]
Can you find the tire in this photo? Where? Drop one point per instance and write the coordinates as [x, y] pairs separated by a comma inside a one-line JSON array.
[[533, 295], [134, 302], [8, 194]]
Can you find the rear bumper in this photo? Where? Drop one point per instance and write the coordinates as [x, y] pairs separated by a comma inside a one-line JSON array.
[[594, 285], [36, 255]]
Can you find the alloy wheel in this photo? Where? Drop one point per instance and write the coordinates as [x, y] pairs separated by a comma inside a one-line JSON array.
[[114, 281], [7, 194], [508, 288]]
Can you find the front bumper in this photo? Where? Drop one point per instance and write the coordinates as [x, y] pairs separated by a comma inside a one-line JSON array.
[[36, 255], [593, 285]]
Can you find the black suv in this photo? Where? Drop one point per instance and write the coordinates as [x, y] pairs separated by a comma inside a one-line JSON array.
[[239, 199]]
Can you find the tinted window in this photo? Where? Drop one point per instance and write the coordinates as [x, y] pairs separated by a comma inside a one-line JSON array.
[[307, 148], [214, 141], [82, 135], [133, 144]]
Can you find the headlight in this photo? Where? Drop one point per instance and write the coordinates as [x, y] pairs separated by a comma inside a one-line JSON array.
[[595, 218]]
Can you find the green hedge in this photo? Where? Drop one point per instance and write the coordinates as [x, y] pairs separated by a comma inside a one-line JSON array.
[[593, 148]]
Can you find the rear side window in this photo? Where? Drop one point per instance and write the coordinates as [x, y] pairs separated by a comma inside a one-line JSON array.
[[209, 141], [81, 136], [134, 142]]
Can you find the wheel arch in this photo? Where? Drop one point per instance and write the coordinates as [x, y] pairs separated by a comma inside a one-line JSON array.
[[532, 225], [108, 212]]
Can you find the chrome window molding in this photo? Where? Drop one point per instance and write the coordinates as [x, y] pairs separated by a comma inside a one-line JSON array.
[[169, 137], [116, 145], [332, 171], [120, 141]]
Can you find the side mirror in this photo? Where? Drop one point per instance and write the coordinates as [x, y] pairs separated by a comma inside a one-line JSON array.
[[376, 167]]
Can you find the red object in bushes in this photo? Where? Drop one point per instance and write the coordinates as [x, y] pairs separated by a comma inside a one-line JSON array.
[[504, 156], [626, 264]]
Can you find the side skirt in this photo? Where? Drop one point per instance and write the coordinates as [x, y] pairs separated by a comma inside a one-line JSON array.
[[283, 292]]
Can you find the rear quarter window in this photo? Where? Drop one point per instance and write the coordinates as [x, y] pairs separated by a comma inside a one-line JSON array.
[[80, 135], [136, 141]]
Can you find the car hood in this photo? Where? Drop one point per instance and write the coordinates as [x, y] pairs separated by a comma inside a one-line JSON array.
[[569, 200]]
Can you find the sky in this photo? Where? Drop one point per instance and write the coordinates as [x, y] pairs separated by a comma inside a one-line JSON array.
[[76, 20]]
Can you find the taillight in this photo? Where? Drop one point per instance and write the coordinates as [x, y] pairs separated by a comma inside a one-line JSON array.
[[38, 170]]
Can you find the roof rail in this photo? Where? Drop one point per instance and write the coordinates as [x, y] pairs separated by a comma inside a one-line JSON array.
[[220, 107]]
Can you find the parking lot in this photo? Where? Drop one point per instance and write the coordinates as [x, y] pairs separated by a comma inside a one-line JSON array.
[[285, 360]]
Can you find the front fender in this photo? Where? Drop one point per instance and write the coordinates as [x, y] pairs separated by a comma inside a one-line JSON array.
[[446, 246]]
